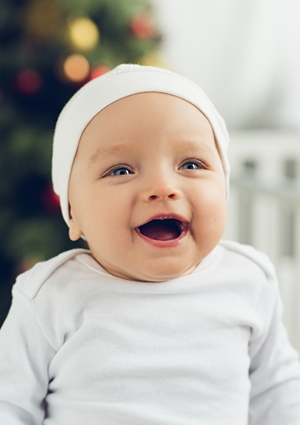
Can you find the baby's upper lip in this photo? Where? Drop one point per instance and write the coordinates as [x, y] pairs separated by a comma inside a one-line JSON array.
[[166, 216]]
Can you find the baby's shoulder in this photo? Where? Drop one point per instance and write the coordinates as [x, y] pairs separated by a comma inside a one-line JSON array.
[[247, 258], [31, 281]]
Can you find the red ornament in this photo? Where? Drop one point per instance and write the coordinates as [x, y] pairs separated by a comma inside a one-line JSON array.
[[98, 71], [29, 81], [50, 200], [142, 26]]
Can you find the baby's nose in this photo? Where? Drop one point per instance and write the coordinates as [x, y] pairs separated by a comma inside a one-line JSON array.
[[160, 189]]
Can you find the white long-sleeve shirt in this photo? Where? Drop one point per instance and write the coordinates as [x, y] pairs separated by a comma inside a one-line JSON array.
[[80, 346]]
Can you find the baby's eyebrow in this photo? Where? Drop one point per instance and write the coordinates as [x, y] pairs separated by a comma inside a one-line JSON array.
[[106, 151], [195, 146], [191, 146]]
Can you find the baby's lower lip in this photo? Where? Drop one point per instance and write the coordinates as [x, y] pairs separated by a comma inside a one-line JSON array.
[[164, 243]]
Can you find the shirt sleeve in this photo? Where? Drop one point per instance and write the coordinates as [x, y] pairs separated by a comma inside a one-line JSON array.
[[25, 354], [274, 369]]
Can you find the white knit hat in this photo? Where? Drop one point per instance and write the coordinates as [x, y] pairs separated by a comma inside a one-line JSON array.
[[121, 82]]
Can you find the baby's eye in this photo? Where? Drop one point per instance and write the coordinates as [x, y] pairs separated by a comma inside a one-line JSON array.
[[118, 171], [192, 165]]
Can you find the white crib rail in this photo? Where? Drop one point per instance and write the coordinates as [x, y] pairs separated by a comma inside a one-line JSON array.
[[264, 209]]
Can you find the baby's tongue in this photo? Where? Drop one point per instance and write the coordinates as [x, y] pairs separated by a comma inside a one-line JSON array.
[[162, 230]]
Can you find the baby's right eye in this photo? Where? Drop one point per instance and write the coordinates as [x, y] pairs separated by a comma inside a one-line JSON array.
[[118, 171]]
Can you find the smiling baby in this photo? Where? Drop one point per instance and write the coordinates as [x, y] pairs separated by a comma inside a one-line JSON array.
[[159, 322]]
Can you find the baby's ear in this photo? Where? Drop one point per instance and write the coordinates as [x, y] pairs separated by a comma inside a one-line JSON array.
[[74, 230]]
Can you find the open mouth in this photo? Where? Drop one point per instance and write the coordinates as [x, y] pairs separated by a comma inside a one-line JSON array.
[[164, 229]]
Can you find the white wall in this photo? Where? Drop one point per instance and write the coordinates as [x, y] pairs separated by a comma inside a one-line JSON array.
[[244, 54]]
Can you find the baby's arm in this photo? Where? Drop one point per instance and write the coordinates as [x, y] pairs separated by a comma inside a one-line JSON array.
[[275, 369], [25, 354]]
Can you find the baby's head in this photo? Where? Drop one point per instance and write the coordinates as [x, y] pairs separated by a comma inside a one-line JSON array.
[[140, 165]]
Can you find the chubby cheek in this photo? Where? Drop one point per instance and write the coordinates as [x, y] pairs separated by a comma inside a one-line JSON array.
[[107, 221], [209, 221]]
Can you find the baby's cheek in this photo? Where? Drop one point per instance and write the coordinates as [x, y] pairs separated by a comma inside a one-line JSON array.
[[209, 223]]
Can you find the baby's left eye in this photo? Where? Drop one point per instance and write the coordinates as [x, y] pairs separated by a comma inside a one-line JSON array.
[[191, 165]]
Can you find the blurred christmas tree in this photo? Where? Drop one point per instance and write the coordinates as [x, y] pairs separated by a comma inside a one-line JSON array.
[[48, 49]]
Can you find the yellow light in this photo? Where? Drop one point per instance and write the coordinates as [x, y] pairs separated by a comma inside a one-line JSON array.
[[76, 68], [84, 34], [153, 59]]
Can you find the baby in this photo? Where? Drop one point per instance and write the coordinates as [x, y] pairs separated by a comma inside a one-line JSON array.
[[158, 323]]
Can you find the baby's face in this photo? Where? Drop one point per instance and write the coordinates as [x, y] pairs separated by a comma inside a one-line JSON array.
[[147, 188]]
